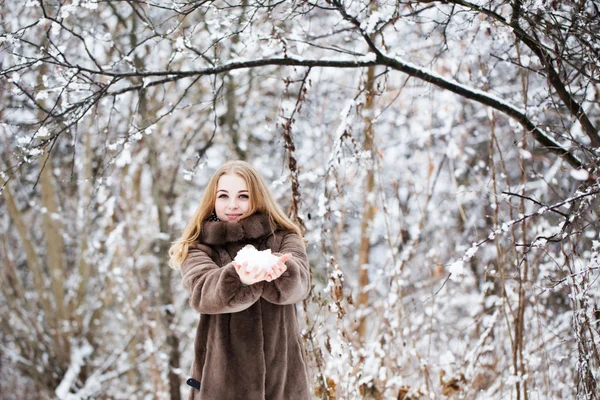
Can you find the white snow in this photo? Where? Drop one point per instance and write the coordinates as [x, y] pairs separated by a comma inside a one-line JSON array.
[[580, 174], [456, 269], [78, 356], [256, 259]]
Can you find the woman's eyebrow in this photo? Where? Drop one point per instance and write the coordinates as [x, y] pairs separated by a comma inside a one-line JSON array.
[[223, 190]]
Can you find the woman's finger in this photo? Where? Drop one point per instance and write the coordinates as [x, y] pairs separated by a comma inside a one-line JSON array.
[[242, 267], [285, 257], [277, 273]]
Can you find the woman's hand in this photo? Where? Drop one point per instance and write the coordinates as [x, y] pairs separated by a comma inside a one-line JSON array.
[[277, 269], [248, 275], [251, 275]]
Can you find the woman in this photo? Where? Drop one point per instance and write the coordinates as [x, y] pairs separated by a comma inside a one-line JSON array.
[[247, 343]]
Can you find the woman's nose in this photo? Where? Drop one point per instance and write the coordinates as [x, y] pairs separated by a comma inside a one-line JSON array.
[[233, 203]]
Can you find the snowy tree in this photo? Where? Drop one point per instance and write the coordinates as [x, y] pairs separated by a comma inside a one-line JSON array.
[[442, 157]]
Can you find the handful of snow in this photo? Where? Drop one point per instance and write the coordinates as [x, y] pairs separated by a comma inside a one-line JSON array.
[[256, 260]]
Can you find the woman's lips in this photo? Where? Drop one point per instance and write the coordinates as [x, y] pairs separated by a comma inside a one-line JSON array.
[[233, 216]]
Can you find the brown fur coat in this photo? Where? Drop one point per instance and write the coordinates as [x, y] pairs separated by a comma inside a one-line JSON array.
[[248, 343]]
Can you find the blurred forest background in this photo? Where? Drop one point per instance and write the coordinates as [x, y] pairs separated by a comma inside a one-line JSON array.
[[441, 155]]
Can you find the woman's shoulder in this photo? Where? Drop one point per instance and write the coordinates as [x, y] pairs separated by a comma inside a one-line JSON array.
[[287, 237], [282, 232]]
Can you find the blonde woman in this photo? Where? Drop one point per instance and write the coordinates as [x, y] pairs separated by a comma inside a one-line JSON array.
[[247, 343]]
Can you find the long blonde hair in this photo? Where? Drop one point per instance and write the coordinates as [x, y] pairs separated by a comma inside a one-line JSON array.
[[261, 200]]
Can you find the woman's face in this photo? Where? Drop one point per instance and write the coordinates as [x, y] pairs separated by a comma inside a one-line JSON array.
[[233, 199]]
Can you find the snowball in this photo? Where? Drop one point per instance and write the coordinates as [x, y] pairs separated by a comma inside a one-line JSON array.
[[256, 259]]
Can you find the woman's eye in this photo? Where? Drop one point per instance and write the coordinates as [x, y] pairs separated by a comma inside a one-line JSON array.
[[222, 196], [244, 196]]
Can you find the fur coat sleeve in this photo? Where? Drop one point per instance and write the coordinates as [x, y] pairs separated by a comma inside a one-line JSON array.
[[215, 290], [294, 284]]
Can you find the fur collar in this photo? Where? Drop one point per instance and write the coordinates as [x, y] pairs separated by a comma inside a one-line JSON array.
[[219, 232]]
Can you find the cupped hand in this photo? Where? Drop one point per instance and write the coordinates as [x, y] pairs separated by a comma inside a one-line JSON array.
[[278, 269], [249, 275]]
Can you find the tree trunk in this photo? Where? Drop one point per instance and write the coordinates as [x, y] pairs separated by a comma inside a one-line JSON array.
[[368, 212]]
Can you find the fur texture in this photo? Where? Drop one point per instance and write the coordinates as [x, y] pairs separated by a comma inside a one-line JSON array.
[[220, 232], [247, 343]]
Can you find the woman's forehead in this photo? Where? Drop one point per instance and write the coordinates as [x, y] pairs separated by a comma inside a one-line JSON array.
[[230, 182]]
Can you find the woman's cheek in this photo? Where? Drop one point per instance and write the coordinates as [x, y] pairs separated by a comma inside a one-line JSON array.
[[219, 208], [246, 205]]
